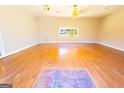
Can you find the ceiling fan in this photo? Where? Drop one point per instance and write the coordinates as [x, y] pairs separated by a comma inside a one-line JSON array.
[[75, 12]]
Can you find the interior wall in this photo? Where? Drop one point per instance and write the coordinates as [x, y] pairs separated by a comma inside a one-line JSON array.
[[112, 30], [18, 28], [49, 26]]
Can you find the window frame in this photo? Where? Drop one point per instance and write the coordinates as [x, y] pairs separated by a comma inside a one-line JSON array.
[[64, 29]]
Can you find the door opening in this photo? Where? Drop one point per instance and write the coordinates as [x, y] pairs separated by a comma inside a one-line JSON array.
[[2, 51]]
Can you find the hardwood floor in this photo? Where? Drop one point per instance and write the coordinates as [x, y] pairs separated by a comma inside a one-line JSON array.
[[105, 65]]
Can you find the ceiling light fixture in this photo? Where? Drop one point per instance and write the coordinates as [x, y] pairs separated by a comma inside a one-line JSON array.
[[75, 11], [46, 7]]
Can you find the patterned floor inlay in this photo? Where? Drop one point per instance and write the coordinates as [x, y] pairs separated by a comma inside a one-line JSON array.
[[64, 78]]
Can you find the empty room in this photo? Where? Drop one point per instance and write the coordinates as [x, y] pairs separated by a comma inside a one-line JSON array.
[[62, 46]]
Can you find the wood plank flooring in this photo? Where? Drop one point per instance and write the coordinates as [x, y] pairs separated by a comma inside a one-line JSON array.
[[105, 65]]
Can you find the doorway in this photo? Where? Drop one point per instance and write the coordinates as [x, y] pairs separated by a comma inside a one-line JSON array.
[[2, 51]]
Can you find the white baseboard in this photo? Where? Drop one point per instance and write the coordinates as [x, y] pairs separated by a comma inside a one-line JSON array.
[[112, 46], [21, 49], [18, 50], [67, 42]]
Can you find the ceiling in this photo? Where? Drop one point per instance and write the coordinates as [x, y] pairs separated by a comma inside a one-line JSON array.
[[66, 10]]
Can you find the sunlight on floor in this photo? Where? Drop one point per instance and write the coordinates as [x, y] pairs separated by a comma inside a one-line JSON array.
[[63, 51]]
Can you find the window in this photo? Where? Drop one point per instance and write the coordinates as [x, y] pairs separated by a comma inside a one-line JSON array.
[[68, 32]]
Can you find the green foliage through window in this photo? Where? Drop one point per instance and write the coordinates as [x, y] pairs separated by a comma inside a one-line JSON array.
[[68, 32]]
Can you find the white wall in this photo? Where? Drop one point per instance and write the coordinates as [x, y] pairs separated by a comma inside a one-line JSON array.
[[19, 28], [48, 27], [112, 30]]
